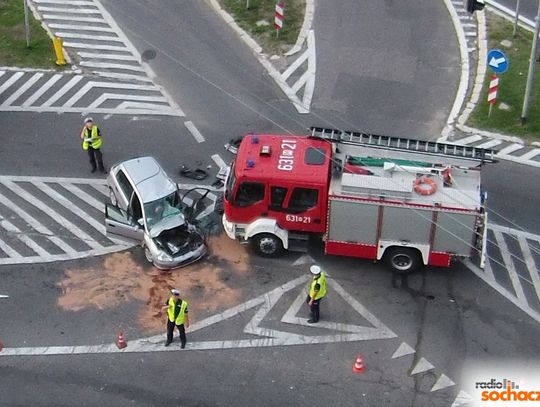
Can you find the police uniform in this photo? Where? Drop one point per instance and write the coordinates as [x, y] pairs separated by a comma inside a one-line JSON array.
[[317, 291], [177, 310], [92, 142]]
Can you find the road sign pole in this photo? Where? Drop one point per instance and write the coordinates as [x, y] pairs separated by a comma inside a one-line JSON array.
[[532, 66], [26, 23], [516, 20]]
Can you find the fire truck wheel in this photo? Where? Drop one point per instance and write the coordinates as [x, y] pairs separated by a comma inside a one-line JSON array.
[[267, 245], [402, 260]]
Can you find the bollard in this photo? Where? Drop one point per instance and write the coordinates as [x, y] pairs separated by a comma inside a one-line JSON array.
[[58, 50]]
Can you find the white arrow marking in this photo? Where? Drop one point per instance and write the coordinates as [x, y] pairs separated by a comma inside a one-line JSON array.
[[494, 62], [422, 366], [442, 383], [403, 350]]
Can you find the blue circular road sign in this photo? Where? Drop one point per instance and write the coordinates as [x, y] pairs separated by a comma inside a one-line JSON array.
[[497, 61]]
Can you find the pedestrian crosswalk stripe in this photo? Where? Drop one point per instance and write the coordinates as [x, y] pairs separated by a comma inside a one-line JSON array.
[[80, 28], [67, 2], [7, 84], [510, 149], [15, 95], [489, 144], [72, 82], [108, 38], [72, 18], [55, 78], [8, 250], [134, 68], [30, 220], [77, 232], [28, 241], [92, 55], [90, 200], [70, 206], [70, 10]]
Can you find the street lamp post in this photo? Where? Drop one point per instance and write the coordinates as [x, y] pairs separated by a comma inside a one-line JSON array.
[[532, 66], [26, 23]]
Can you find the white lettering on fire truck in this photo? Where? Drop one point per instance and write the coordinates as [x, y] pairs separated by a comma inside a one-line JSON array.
[[296, 218], [286, 157]]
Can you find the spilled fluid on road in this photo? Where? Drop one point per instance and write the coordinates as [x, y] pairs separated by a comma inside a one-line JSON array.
[[210, 285]]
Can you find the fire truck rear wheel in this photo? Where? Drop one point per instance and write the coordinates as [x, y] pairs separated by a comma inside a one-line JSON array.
[[402, 260], [267, 245]]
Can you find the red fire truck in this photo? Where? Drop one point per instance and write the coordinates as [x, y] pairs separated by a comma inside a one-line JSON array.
[[405, 202]]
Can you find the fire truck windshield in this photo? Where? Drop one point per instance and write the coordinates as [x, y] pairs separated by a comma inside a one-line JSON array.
[[229, 188]]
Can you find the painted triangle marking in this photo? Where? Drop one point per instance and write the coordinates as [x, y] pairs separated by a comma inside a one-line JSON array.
[[377, 331], [403, 350], [442, 383], [267, 337], [304, 259], [461, 399], [422, 366]]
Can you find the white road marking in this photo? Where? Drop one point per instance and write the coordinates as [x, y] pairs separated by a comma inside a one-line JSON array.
[[80, 28], [67, 2], [12, 253], [14, 78], [105, 85], [271, 337], [462, 399], [300, 82], [15, 95], [3, 296], [194, 131], [295, 65], [100, 227], [69, 10], [18, 234], [123, 76], [72, 18], [468, 140], [102, 47], [44, 88], [53, 214], [117, 57], [530, 155], [403, 350], [106, 38], [510, 267], [112, 96], [37, 226], [312, 70], [510, 149], [422, 366], [62, 91], [219, 161], [442, 383], [489, 144], [108, 65], [304, 259], [89, 199], [531, 265]]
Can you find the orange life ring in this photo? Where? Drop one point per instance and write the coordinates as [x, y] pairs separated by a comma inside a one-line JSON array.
[[424, 186]]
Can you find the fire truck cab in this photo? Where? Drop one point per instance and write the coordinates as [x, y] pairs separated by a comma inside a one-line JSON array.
[[277, 191]]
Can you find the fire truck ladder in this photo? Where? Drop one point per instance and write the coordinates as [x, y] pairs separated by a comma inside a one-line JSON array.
[[404, 144]]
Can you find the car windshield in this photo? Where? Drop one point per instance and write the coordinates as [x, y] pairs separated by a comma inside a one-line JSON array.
[[161, 209]]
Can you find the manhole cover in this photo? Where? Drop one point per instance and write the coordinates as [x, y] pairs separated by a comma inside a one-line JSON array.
[[148, 55]]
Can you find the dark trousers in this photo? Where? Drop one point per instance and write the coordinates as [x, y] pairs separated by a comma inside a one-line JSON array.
[[170, 332], [94, 155], [314, 308]]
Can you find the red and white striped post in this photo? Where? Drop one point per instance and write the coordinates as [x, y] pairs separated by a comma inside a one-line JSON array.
[[492, 92], [278, 19]]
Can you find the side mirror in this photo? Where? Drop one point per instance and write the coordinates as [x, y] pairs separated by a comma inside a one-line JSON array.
[[140, 221]]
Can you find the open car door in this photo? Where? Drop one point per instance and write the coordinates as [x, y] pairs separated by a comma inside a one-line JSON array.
[[120, 225]]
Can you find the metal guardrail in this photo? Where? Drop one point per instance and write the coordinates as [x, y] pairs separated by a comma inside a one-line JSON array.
[[510, 14]]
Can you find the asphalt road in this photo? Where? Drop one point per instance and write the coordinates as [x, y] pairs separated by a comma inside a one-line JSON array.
[[449, 317]]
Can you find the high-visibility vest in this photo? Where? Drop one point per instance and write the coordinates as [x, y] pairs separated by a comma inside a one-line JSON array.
[[95, 139], [321, 280], [181, 315]]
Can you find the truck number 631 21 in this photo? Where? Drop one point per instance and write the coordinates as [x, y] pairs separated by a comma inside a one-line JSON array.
[[298, 219], [286, 156]]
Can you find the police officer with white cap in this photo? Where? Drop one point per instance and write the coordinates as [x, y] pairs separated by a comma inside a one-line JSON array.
[[92, 142], [177, 315], [317, 291]]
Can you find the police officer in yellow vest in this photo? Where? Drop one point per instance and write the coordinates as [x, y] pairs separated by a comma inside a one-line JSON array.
[[317, 291], [91, 137], [177, 315]]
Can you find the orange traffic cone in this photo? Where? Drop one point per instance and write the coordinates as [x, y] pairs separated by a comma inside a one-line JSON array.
[[358, 366], [121, 341]]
